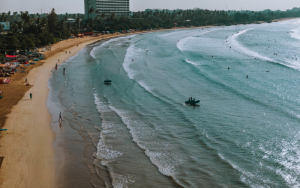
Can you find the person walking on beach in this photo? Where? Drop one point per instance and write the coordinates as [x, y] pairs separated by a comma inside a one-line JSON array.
[[60, 118], [26, 80], [30, 95], [56, 66]]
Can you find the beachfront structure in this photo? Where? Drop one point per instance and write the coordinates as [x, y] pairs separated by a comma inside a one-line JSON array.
[[6, 26], [105, 8]]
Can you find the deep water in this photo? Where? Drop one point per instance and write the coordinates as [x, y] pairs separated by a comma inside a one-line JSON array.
[[138, 132]]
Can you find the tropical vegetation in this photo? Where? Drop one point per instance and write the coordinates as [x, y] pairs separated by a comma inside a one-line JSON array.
[[28, 31]]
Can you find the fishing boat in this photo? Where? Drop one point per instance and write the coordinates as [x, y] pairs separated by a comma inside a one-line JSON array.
[[107, 82], [192, 102]]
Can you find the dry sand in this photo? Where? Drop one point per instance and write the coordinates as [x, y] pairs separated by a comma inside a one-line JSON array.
[[29, 158]]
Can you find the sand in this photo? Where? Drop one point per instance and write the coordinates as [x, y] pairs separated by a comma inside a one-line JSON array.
[[29, 158]]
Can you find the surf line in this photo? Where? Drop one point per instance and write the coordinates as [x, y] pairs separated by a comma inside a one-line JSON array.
[[182, 41], [243, 50]]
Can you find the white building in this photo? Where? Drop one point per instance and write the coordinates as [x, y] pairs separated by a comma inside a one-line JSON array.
[[119, 7]]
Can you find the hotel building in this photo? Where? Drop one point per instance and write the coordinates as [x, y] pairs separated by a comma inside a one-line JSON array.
[[119, 7]]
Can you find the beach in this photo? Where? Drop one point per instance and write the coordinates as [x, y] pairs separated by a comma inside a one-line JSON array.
[[29, 158], [28, 149], [138, 132]]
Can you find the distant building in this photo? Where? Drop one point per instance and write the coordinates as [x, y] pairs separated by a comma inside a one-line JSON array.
[[71, 20], [6, 26], [106, 7]]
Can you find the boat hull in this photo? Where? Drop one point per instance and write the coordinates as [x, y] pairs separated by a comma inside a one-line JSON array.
[[192, 102]]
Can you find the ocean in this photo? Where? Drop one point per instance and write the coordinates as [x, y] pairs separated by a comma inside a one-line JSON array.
[[138, 131]]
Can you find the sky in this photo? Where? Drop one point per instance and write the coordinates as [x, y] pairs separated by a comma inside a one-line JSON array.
[[77, 6]]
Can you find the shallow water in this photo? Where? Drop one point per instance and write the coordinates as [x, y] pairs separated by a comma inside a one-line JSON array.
[[138, 132]]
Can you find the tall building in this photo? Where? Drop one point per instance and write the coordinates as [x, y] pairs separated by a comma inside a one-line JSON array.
[[119, 7]]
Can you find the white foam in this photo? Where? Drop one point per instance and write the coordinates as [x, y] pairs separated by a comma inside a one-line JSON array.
[[232, 41], [166, 162], [104, 152], [95, 49], [287, 155], [131, 54], [185, 45], [145, 86], [191, 62], [159, 153], [122, 181], [245, 177], [295, 33]]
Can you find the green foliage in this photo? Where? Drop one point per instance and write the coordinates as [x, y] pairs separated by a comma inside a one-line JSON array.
[[47, 38], [25, 43], [1, 28], [11, 42], [33, 30], [52, 21]]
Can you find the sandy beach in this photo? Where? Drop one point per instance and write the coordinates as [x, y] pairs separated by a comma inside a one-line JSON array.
[[29, 158]]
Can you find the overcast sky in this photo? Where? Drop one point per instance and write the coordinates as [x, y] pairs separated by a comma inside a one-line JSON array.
[[77, 6]]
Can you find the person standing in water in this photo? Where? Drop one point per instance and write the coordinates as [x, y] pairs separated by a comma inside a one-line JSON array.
[[64, 70], [60, 118]]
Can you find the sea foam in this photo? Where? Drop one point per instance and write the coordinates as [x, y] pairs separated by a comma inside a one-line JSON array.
[[104, 152], [295, 33], [186, 43], [95, 49], [243, 50], [159, 153]]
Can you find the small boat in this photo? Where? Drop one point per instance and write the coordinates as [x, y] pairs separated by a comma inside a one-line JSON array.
[[107, 82], [7, 81], [192, 102], [3, 129]]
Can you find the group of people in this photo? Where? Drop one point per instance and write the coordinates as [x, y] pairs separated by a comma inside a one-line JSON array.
[[191, 99]]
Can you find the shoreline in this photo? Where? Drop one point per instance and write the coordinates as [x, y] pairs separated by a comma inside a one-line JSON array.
[[30, 159], [27, 146]]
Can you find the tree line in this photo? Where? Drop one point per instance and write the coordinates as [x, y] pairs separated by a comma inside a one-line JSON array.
[[28, 31]]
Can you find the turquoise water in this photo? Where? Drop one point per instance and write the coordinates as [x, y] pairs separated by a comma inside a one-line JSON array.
[[138, 132]]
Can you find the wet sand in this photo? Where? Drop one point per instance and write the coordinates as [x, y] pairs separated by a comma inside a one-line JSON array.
[[29, 158]]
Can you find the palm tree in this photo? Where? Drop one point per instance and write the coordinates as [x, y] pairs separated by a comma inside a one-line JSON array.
[[113, 16], [102, 15], [25, 17], [91, 10]]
